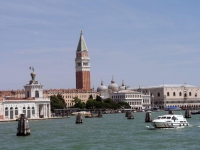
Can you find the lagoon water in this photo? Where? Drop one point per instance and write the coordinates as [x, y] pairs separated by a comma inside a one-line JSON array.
[[112, 132]]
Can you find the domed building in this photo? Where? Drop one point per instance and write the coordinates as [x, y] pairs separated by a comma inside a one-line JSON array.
[[123, 87], [113, 86], [33, 103], [102, 87]]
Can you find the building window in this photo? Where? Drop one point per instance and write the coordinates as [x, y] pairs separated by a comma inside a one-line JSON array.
[[190, 94], [195, 94], [85, 64], [174, 94], [27, 93], [33, 111], [6, 111], [24, 110], [185, 95], [11, 113], [36, 94], [28, 112], [158, 94], [167, 93], [16, 111], [180, 94]]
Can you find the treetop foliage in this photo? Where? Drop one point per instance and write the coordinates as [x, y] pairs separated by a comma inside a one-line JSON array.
[[57, 102]]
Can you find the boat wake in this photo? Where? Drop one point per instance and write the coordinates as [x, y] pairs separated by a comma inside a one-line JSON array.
[[150, 127], [153, 128]]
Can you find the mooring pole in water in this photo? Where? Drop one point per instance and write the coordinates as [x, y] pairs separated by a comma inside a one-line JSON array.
[[100, 114], [127, 112], [130, 115], [187, 113], [79, 118], [148, 117], [23, 126]]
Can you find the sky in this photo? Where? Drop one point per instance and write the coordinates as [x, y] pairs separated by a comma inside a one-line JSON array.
[[143, 42]]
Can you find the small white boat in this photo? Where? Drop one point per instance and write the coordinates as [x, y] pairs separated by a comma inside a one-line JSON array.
[[170, 121], [83, 113]]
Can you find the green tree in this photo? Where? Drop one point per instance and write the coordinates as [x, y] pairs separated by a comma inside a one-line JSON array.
[[99, 104], [124, 105], [57, 102], [98, 98], [108, 100], [90, 97], [78, 103], [107, 105], [90, 104]]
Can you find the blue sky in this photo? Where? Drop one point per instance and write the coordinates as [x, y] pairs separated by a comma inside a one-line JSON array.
[[143, 42]]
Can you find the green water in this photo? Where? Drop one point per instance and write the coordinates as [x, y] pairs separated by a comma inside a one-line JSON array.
[[112, 132]]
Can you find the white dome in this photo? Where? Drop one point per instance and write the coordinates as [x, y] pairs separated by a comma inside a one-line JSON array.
[[113, 86], [123, 87], [101, 87]]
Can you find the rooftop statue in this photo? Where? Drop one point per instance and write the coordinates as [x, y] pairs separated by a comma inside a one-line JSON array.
[[33, 74]]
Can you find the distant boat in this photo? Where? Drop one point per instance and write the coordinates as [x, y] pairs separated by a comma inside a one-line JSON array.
[[195, 112], [83, 113], [156, 109], [172, 108]]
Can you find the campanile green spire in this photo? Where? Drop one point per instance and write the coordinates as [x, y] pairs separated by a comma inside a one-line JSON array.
[[81, 44]]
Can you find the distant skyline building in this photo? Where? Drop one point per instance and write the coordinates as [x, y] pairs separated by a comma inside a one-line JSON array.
[[180, 95], [82, 62], [137, 99]]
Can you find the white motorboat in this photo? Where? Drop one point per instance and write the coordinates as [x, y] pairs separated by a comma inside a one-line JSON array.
[[170, 121]]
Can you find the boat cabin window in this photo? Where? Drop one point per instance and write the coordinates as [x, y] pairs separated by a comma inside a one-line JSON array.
[[163, 118], [168, 117], [159, 117]]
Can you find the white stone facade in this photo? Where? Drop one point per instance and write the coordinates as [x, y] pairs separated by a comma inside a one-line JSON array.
[[34, 109], [184, 96], [136, 99], [34, 105]]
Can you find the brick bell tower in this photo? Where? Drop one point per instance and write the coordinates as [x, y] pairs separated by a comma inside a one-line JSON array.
[[82, 63]]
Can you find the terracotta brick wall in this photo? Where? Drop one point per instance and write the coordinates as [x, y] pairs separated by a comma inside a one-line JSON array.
[[1, 116], [83, 80], [79, 80]]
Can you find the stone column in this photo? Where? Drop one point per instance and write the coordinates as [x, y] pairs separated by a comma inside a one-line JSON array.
[[49, 111], [45, 111], [37, 111]]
